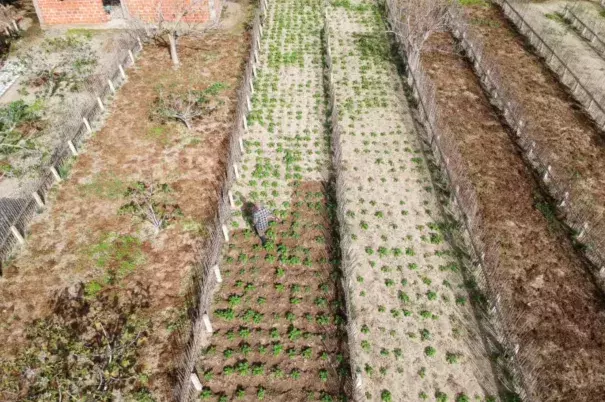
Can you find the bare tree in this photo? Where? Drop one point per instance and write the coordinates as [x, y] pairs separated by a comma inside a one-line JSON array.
[[187, 106], [421, 18], [151, 202], [172, 20], [8, 16]]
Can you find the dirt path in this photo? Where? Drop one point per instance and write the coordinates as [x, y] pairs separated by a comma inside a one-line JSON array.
[[279, 327], [83, 238], [575, 145], [543, 281], [418, 335]]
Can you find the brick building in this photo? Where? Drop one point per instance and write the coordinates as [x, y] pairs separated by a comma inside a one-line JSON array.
[[60, 12]]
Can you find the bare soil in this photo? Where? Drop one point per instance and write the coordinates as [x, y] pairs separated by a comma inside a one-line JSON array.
[[560, 126], [285, 297], [541, 278], [83, 211]]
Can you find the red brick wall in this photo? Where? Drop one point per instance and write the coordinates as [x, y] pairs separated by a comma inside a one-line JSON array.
[[55, 12], [72, 12], [147, 10]]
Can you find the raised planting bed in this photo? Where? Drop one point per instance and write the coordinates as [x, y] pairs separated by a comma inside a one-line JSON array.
[[416, 336], [278, 317], [548, 300]]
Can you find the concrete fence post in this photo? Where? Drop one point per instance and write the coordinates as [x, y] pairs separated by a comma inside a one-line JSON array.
[[241, 144], [583, 230], [217, 273], [122, 72], [72, 148], [225, 232], [100, 102], [140, 43], [207, 323], [564, 200], [38, 199], [546, 176], [111, 87], [17, 235], [131, 56], [87, 124], [196, 382], [231, 201], [236, 171], [55, 173]]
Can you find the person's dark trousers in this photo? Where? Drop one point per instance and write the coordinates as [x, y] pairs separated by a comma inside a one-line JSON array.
[[263, 240]]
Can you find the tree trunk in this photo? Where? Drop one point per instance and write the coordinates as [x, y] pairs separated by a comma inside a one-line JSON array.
[[173, 53]]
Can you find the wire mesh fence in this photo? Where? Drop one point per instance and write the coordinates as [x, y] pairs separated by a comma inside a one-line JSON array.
[[207, 269], [588, 30], [349, 259]]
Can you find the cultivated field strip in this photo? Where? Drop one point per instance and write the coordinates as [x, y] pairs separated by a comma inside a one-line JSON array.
[[539, 276], [416, 336], [278, 318], [559, 131]]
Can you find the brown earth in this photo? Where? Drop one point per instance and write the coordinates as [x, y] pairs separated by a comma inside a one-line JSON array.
[[541, 278], [83, 211], [309, 292], [576, 146]]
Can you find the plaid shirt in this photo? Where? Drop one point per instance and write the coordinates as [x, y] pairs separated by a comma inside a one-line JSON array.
[[261, 219]]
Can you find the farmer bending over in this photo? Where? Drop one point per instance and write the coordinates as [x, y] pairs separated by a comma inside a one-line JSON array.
[[261, 217]]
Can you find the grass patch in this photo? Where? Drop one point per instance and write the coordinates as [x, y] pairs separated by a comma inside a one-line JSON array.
[[116, 256], [473, 3], [105, 186]]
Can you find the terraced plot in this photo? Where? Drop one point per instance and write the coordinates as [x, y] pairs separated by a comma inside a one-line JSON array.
[[418, 338], [558, 123], [277, 317], [542, 279]]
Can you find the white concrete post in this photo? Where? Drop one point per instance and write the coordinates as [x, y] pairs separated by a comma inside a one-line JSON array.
[[602, 272], [245, 121], [217, 273], [131, 56], [16, 26], [17, 235], [55, 173], [225, 232], [122, 72], [547, 174], [72, 148], [241, 145], [140, 43], [207, 323], [196, 382], [100, 102], [38, 199], [111, 87], [87, 124], [231, 201], [564, 201], [583, 231], [236, 171], [251, 87], [249, 103]]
